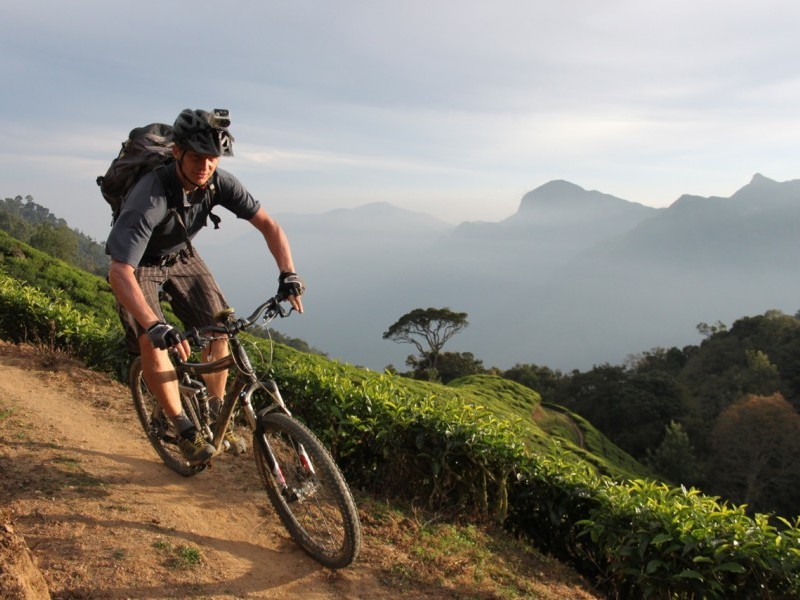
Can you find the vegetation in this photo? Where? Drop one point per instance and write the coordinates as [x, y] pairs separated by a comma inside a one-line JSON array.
[[711, 416], [485, 445], [286, 340], [721, 416], [428, 330], [37, 226]]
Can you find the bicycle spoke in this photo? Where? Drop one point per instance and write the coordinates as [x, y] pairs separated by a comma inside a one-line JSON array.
[[312, 499]]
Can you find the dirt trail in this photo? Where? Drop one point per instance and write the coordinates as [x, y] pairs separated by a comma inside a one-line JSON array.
[[104, 518]]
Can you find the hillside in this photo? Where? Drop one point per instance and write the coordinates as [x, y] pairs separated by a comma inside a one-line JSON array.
[[483, 446], [104, 519]]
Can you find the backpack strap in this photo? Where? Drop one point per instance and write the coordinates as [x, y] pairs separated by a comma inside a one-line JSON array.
[[169, 180], [174, 193], [213, 192]]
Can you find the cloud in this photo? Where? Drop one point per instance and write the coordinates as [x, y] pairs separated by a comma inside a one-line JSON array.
[[441, 104]]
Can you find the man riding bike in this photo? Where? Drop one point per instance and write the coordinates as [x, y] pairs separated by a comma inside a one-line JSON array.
[[151, 251]]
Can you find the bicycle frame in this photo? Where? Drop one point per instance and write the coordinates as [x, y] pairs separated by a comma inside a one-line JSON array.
[[240, 390]]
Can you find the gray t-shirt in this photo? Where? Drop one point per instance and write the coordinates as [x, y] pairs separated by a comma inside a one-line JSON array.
[[142, 228]]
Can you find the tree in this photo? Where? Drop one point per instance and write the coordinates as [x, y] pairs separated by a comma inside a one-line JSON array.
[[631, 409], [671, 360], [428, 329], [708, 331], [450, 366], [756, 442], [453, 365], [760, 377], [540, 379], [60, 241], [674, 458]]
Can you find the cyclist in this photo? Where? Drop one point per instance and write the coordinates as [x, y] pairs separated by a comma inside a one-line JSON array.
[[151, 252]]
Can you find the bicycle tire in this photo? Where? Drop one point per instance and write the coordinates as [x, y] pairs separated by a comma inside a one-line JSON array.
[[157, 426], [317, 509]]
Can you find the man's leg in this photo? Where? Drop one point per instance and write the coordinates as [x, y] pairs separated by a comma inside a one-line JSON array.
[[160, 376], [197, 301], [215, 382], [162, 380]]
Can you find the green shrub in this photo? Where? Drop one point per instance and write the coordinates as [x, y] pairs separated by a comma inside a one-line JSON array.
[[51, 320], [664, 542], [89, 293], [643, 539], [403, 437]]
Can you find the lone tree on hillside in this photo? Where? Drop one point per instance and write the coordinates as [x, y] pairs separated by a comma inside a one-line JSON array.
[[428, 330]]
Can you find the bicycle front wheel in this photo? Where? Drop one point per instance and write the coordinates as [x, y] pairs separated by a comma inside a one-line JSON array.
[[157, 426], [307, 490]]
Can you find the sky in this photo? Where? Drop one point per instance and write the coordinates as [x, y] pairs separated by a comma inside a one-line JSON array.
[[453, 108]]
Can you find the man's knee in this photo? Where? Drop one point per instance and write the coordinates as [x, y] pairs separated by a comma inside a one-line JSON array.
[[153, 358], [216, 349]]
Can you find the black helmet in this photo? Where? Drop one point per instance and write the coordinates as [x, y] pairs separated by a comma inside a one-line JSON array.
[[204, 132]]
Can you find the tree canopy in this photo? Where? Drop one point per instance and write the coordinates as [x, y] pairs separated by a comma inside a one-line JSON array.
[[428, 330], [756, 442]]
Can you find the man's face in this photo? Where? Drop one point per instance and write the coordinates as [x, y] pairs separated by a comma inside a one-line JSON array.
[[198, 168]]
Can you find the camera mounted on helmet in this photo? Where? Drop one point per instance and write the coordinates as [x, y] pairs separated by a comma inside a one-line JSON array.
[[220, 118]]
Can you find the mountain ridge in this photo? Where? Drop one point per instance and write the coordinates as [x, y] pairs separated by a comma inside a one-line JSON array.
[[566, 292]]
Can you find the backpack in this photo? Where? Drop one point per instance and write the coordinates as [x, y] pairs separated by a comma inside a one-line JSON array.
[[146, 149]]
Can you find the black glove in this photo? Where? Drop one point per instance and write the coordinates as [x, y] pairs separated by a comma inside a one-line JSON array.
[[290, 284], [164, 336]]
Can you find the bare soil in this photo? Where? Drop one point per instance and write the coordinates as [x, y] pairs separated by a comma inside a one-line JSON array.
[[88, 511]]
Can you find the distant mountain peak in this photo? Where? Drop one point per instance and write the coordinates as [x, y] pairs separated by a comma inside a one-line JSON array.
[[760, 193], [559, 196], [557, 191], [759, 178]]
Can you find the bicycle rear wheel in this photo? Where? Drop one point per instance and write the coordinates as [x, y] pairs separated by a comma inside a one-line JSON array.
[[307, 490], [157, 426]]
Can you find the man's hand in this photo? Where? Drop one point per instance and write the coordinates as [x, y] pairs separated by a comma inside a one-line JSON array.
[[164, 336], [291, 286]]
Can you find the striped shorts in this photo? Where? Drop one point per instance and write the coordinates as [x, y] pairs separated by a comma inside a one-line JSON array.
[[189, 288]]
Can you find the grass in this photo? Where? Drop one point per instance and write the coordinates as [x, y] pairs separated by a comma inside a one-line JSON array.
[[119, 554], [471, 559], [179, 557]]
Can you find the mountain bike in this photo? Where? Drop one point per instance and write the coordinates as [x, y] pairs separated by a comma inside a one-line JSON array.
[[302, 481]]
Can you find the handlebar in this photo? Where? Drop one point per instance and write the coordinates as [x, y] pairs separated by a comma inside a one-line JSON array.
[[269, 310]]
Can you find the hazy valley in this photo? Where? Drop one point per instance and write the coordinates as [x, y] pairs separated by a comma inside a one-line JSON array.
[[573, 278]]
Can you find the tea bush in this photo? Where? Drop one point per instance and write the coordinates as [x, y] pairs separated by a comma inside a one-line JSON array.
[[51, 320], [663, 542], [404, 438]]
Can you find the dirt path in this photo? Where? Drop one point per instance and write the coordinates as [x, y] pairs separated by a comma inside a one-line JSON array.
[[104, 518]]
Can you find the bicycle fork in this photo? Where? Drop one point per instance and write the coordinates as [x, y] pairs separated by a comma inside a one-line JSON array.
[[272, 461], [291, 494]]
